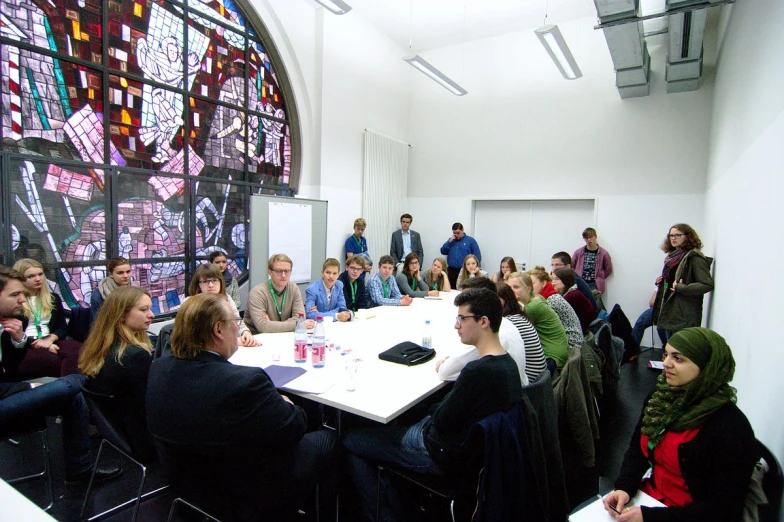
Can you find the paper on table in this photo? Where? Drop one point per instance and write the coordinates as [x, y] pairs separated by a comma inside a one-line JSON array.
[[315, 381], [432, 297], [282, 375], [656, 365], [595, 512]]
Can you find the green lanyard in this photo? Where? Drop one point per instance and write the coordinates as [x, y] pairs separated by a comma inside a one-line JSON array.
[[36, 316], [359, 243], [353, 286], [385, 288], [413, 283], [434, 285], [278, 308]]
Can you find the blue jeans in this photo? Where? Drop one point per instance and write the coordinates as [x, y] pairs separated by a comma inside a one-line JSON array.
[[644, 322], [60, 397], [400, 445]]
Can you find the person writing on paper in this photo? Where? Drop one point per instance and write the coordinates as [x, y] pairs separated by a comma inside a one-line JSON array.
[[234, 444], [700, 445], [382, 289], [410, 281], [353, 285], [275, 305], [325, 297], [208, 280], [436, 278]]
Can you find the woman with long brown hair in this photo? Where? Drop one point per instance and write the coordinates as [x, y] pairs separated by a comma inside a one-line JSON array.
[[116, 358], [437, 277]]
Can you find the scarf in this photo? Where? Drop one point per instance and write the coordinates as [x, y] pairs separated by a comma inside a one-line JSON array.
[[547, 290], [671, 262], [106, 287], [678, 408]]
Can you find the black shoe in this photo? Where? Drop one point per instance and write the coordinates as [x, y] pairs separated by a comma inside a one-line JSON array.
[[101, 474]]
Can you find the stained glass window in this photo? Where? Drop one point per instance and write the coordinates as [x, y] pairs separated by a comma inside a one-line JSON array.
[[143, 137]]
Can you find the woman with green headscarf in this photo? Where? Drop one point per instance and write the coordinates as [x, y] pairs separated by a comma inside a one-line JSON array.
[[699, 445]]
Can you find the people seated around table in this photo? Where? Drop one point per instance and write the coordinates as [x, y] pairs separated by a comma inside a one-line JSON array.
[[551, 331], [406, 241], [700, 446], [116, 359], [207, 279], [119, 274], [437, 444], [325, 297], [507, 267], [235, 446], [471, 268], [410, 280], [354, 285], [534, 355], [219, 259], [436, 278], [456, 248], [564, 260], [356, 245], [382, 289], [20, 402], [564, 281], [275, 305], [449, 368], [42, 350], [543, 286], [592, 262]]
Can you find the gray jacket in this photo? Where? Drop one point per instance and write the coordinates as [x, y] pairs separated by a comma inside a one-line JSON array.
[[396, 249]]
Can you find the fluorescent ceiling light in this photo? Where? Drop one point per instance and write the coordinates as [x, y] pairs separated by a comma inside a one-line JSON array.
[[434, 74], [336, 6], [553, 41]]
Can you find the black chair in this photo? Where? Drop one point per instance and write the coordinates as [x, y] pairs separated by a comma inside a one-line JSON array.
[[181, 502], [113, 437], [772, 485], [36, 425]]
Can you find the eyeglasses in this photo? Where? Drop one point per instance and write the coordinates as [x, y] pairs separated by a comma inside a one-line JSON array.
[[355, 268], [461, 318], [281, 271], [208, 282], [676, 236]]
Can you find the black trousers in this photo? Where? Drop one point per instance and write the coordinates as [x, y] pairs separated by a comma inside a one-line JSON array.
[[452, 274]]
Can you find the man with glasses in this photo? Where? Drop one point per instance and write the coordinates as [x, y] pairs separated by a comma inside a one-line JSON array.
[[273, 306], [437, 444], [353, 285]]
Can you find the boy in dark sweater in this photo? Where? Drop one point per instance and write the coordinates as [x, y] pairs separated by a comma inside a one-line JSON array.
[[436, 444]]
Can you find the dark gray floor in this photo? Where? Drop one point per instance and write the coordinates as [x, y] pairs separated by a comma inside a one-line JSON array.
[[622, 413]]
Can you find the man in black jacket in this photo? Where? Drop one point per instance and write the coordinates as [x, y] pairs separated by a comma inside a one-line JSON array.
[[21, 402], [237, 447], [353, 285]]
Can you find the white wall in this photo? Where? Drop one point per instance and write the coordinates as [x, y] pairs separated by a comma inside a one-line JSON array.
[[743, 198], [523, 132]]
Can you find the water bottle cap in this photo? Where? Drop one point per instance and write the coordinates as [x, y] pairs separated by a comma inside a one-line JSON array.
[[319, 318], [302, 314], [427, 322]]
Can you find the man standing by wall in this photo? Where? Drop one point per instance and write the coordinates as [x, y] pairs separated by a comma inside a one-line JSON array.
[[405, 241], [455, 249]]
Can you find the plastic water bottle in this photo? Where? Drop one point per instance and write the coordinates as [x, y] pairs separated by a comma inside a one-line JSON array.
[[427, 335], [300, 340], [319, 344]]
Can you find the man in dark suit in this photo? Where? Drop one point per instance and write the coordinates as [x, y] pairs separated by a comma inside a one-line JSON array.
[[21, 402], [353, 285], [236, 447], [405, 241]]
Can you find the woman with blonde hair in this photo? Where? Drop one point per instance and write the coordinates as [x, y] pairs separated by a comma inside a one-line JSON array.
[[551, 331], [543, 286], [437, 278], [207, 279], [471, 268], [116, 358], [47, 353]]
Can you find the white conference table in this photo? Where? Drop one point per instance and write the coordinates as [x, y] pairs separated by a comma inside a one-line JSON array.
[[18, 507], [383, 390]]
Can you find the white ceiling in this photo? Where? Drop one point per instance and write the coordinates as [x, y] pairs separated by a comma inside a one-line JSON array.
[[430, 24]]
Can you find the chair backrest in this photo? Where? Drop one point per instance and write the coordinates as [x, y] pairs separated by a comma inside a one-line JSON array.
[[99, 404], [772, 485], [162, 344], [79, 323]]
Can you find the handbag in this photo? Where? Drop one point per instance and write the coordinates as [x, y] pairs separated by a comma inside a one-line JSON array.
[[407, 353]]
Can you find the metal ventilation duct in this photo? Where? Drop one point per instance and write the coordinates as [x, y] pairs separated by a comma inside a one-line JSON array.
[[684, 54], [627, 47]]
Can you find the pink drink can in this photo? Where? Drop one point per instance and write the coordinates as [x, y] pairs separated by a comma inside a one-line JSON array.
[[317, 358], [300, 351]]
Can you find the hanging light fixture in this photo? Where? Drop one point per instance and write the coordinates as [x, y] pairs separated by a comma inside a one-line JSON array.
[[554, 42], [338, 7], [423, 66]]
